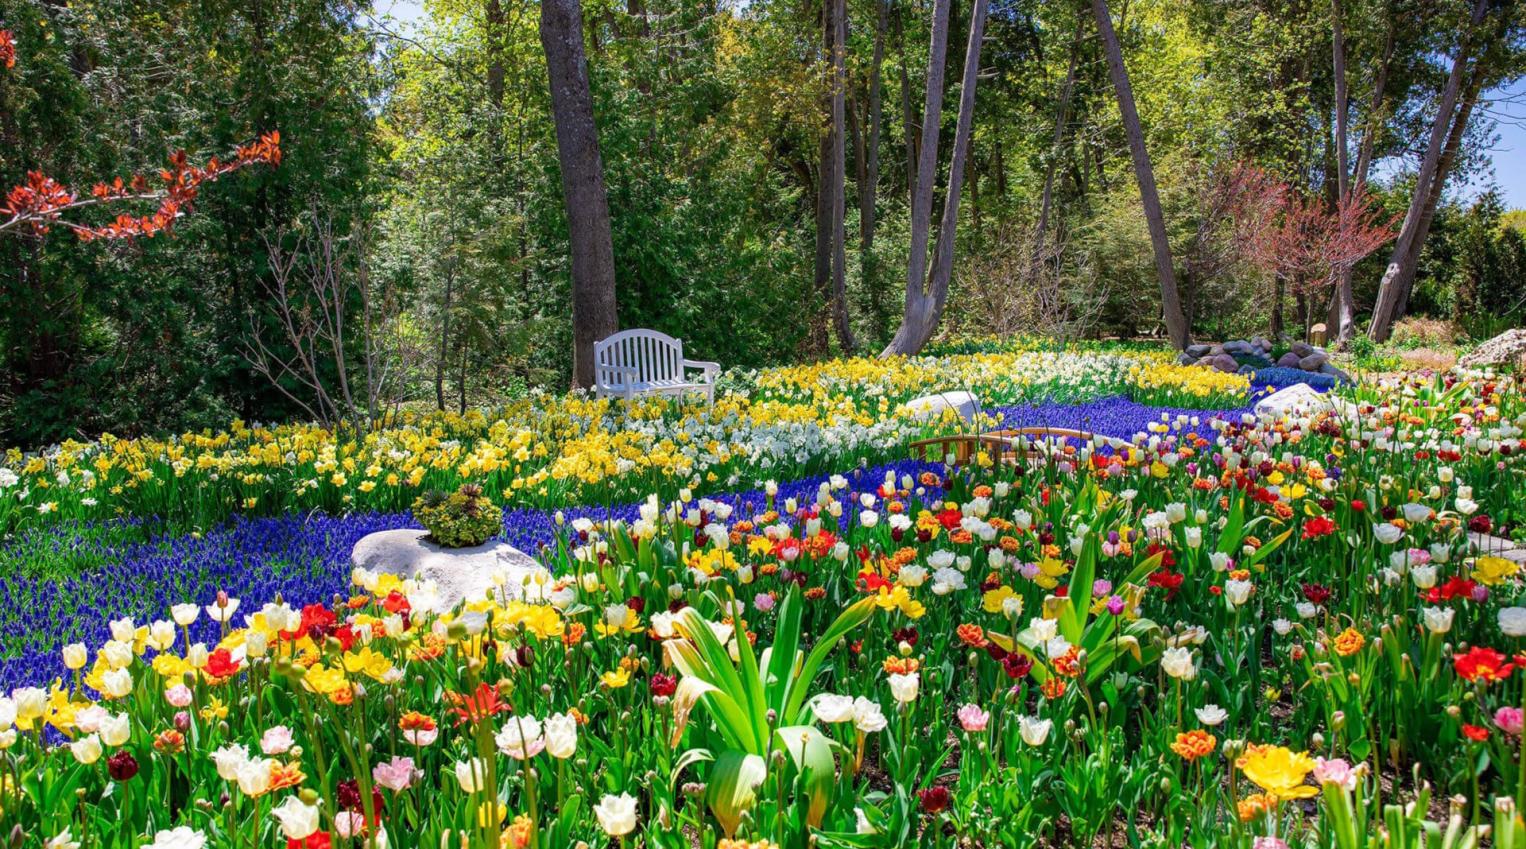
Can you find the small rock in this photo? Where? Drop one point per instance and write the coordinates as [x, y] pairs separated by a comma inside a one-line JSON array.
[[1186, 358], [1288, 360], [1312, 362], [1226, 364], [1198, 351], [1302, 349]]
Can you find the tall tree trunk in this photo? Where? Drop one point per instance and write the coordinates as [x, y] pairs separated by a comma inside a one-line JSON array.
[[444, 354], [1379, 107], [1170, 301], [821, 279], [1401, 272], [1344, 308], [925, 302], [577, 146], [838, 19], [1342, 315], [868, 187], [1443, 168], [923, 177], [908, 122], [1061, 119]]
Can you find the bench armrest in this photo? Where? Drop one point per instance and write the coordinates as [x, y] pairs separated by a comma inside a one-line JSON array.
[[709, 368]]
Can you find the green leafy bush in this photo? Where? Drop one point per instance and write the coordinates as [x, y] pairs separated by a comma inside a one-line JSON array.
[[460, 519]]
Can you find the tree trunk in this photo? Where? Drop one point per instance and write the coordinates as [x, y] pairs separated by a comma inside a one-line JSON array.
[[1344, 309], [440, 361], [1061, 118], [869, 187], [1443, 168], [924, 305], [1342, 316], [1170, 301], [577, 146], [821, 278], [838, 19], [908, 123], [1401, 272], [923, 177]]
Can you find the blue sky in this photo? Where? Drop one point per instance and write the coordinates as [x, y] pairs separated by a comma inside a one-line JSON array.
[[1508, 108], [1506, 105]]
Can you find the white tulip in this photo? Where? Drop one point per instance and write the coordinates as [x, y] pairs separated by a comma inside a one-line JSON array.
[[1034, 731], [298, 819], [904, 687], [184, 614], [561, 731], [1438, 620], [1177, 662], [87, 749], [616, 814], [1211, 715]]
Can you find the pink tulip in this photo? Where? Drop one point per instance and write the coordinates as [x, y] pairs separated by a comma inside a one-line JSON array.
[[973, 719], [1509, 720], [395, 775]]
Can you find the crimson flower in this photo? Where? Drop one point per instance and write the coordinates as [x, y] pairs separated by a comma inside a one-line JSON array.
[[122, 766], [1318, 526], [663, 685], [934, 799], [1167, 580]]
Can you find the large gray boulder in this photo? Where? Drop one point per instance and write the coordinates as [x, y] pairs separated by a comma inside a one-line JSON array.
[[1508, 348], [931, 407], [457, 573]]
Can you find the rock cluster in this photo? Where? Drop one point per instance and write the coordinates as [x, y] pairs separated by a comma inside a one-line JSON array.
[[1506, 349], [1244, 356]]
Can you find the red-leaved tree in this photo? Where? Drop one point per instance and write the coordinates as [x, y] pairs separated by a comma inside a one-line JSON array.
[[42, 202], [1301, 241]]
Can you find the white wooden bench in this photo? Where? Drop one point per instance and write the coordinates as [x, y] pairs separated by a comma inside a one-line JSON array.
[[645, 362]]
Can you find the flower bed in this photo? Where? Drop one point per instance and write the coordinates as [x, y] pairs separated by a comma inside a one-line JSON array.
[[548, 451], [1222, 634]]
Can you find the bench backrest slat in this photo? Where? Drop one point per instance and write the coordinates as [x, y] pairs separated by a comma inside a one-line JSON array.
[[654, 356]]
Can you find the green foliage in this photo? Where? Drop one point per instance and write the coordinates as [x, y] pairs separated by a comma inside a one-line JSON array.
[[438, 137], [151, 336], [460, 519]]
